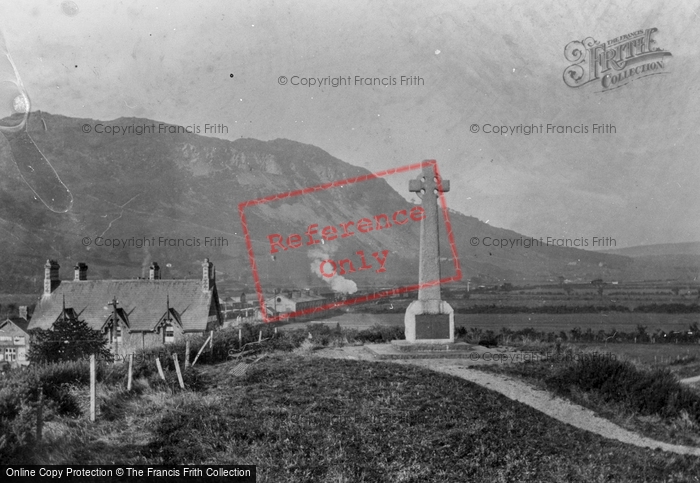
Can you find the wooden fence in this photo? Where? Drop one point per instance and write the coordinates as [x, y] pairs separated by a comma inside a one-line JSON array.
[[242, 351]]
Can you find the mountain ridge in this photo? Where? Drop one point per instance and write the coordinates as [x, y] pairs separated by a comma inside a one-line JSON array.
[[186, 186]]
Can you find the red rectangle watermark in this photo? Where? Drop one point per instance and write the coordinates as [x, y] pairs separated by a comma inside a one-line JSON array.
[[315, 234]]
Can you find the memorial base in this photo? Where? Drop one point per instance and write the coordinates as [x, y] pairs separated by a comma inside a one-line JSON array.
[[429, 322]]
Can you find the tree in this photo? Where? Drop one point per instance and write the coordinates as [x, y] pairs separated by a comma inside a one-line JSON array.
[[600, 286], [69, 340], [507, 286], [642, 334]]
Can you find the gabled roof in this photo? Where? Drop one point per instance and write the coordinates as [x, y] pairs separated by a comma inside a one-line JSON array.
[[170, 317], [20, 322], [70, 314], [121, 315], [143, 302]]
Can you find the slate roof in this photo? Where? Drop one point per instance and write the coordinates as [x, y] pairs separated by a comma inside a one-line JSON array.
[[20, 322], [143, 301]]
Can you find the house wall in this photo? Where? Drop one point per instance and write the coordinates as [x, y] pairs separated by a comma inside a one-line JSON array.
[[135, 341], [310, 304], [14, 345]]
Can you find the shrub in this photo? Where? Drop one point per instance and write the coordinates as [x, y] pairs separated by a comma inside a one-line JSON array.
[[68, 340], [380, 333], [655, 392]]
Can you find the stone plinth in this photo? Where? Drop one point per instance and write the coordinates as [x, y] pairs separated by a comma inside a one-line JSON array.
[[429, 322], [412, 347]]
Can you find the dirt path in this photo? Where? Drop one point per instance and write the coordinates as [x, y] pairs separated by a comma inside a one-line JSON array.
[[690, 380], [522, 392]]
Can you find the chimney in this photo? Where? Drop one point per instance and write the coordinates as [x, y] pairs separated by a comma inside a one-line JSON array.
[[51, 281], [80, 272], [23, 312], [154, 272], [207, 275]]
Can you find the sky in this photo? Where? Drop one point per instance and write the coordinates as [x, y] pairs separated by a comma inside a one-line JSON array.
[[478, 64]]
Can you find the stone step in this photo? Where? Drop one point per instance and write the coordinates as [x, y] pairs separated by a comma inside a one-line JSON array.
[[405, 346], [459, 350]]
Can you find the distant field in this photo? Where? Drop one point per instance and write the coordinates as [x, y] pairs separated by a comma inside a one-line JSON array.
[[541, 322], [646, 353]]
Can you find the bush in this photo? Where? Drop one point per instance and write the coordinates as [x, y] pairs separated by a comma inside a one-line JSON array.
[[68, 340], [380, 333], [655, 392], [19, 396]]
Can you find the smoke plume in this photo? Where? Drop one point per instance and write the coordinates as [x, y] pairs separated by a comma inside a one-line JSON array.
[[337, 282]]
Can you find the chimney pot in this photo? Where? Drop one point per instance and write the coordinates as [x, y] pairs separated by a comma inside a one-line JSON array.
[[80, 272], [154, 272], [23, 312]]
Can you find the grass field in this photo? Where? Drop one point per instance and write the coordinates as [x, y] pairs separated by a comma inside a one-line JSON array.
[[648, 354], [682, 360], [300, 418], [541, 322]]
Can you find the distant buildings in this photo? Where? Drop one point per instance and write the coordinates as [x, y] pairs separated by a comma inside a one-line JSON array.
[[243, 308], [294, 301], [132, 314], [246, 307], [14, 339]]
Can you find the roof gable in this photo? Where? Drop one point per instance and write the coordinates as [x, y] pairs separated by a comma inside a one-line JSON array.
[[168, 318], [18, 322], [122, 316]]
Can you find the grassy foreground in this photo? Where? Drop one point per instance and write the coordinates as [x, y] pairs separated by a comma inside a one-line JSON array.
[[302, 418], [646, 399]]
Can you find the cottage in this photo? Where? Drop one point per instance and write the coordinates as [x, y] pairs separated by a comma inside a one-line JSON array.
[[14, 340], [133, 314]]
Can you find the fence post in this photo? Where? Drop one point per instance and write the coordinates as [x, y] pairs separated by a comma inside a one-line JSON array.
[[39, 416], [187, 353], [240, 339], [92, 387], [260, 336], [160, 368], [211, 345], [200, 352], [177, 369], [131, 367]]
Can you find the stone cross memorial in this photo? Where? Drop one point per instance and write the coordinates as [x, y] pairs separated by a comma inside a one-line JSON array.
[[429, 320]]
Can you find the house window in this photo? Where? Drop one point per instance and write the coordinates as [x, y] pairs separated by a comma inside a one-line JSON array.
[[169, 335], [5, 338], [10, 354], [118, 332], [19, 340]]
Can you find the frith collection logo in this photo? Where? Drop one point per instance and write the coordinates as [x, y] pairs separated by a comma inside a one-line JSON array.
[[614, 63]]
